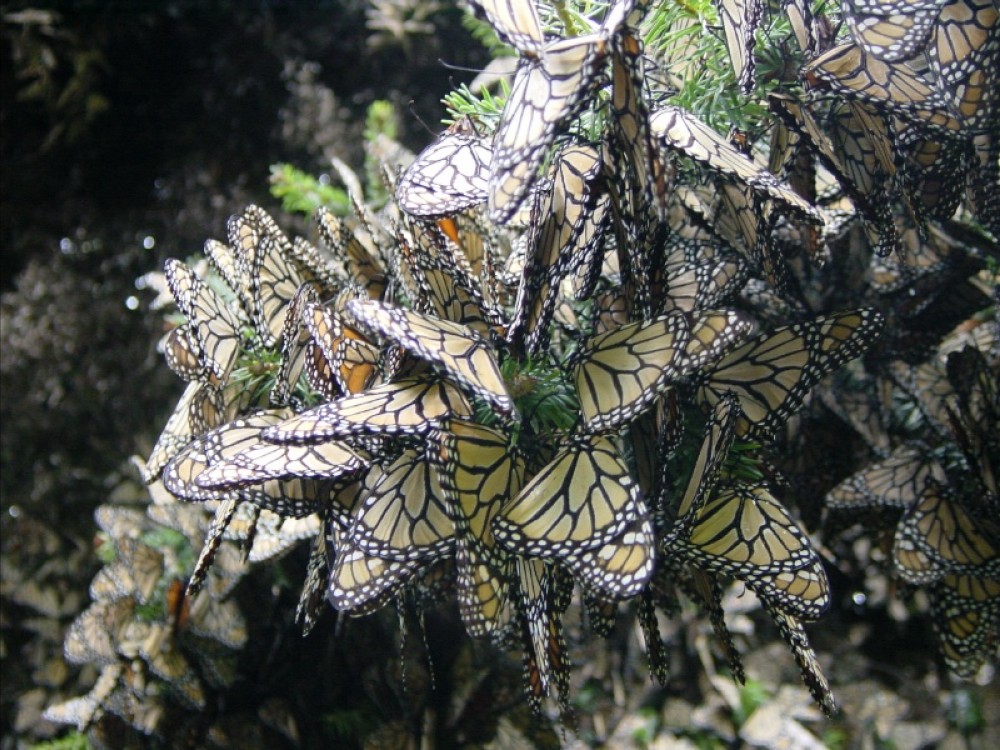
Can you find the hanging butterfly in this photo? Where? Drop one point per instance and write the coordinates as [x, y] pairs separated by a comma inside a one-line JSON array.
[[288, 497], [892, 33], [892, 88], [965, 614], [359, 583], [894, 484], [740, 19], [619, 569], [583, 499], [199, 409], [547, 93], [462, 353], [362, 266], [479, 474], [797, 640], [263, 462], [937, 536], [215, 327], [561, 227], [680, 130], [619, 373], [772, 373], [410, 406], [403, 512], [450, 175]]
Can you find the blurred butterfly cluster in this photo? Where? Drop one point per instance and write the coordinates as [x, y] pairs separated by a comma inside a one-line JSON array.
[[558, 367]]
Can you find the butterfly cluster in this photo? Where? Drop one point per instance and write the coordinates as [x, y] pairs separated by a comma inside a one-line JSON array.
[[933, 502], [552, 368], [158, 653]]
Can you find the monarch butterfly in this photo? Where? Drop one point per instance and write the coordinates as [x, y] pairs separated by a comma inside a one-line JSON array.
[[182, 353], [861, 139], [619, 569], [350, 360], [465, 356], [243, 235], [937, 536], [620, 372], [363, 267], [680, 130], [448, 176], [316, 267], [657, 656], [262, 462], [515, 21], [924, 256], [136, 572], [546, 93], [274, 280], [975, 421], [404, 513], [772, 373], [888, 87], [702, 285], [720, 429], [545, 655], [744, 532], [404, 407], [804, 593], [630, 366], [295, 345], [312, 599], [181, 474], [213, 324], [964, 55], [632, 129], [584, 498], [800, 16], [928, 388], [932, 172], [797, 640], [199, 409], [224, 513], [894, 484], [92, 637], [560, 228], [360, 583], [965, 613], [740, 19], [479, 473], [446, 288], [893, 35], [296, 496]]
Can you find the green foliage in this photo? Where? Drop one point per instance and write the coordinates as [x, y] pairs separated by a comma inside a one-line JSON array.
[[546, 400], [743, 461], [380, 120], [835, 739], [302, 193], [71, 741], [753, 695], [965, 711], [106, 550], [483, 107], [486, 36], [645, 733]]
